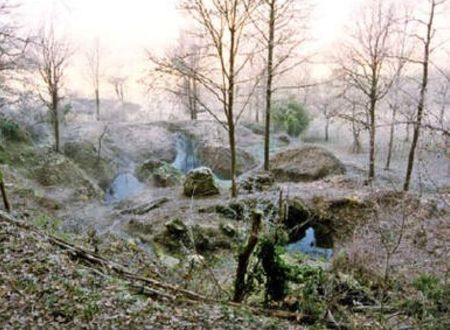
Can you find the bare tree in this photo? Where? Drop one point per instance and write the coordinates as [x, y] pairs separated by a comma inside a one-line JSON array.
[[51, 56], [12, 49], [223, 24], [365, 60], [426, 42], [94, 73], [118, 83], [188, 53], [274, 20]]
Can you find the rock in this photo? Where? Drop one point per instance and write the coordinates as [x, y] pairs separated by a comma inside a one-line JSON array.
[[210, 238], [229, 229], [305, 164], [200, 182], [196, 260], [159, 173], [176, 227], [85, 155], [58, 171], [169, 262], [256, 128], [218, 158], [284, 138], [256, 181], [167, 176], [147, 168], [177, 236]]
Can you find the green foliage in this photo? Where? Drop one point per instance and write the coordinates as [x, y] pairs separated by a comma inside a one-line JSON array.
[[432, 306], [11, 131], [291, 116], [45, 223], [312, 280], [275, 268]]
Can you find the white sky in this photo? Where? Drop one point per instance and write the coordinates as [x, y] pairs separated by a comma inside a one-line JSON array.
[[127, 27]]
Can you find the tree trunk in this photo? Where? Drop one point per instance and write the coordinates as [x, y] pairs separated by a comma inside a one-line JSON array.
[[244, 258], [270, 50], [327, 126], [372, 133], [56, 127], [232, 137], [391, 139], [356, 147], [230, 106], [407, 133], [421, 105], [4, 195], [194, 100], [97, 103]]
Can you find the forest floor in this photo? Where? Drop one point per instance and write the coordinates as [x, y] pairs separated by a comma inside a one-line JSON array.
[[45, 286]]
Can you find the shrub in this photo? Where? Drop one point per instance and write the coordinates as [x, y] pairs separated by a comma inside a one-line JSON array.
[[11, 131], [291, 116]]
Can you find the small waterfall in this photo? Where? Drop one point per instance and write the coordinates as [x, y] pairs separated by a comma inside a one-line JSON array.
[[186, 159]]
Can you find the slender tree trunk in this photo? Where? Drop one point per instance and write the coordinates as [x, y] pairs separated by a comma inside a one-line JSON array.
[[391, 139], [97, 103], [244, 258], [194, 101], [421, 104], [55, 114], [4, 195], [327, 126], [232, 137], [372, 133], [407, 133], [230, 113], [270, 51]]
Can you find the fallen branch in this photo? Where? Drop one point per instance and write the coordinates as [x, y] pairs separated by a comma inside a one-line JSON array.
[[145, 208], [151, 286]]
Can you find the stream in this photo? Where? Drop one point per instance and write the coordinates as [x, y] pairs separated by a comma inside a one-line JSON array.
[[126, 184]]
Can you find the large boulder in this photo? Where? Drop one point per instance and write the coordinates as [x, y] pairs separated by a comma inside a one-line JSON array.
[[147, 168], [56, 170], [308, 163], [159, 173], [85, 154], [204, 238], [200, 182], [256, 181], [218, 158]]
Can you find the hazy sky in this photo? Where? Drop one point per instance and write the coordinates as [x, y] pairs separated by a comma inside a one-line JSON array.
[[122, 24], [127, 27]]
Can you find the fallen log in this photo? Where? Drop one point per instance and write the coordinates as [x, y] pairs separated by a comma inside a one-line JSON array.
[[150, 286]]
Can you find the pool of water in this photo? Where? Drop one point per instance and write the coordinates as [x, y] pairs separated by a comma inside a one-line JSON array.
[[313, 245], [123, 186]]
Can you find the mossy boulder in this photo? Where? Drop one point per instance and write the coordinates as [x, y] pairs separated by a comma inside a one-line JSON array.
[[305, 164], [218, 159], [147, 168], [256, 181], [86, 156], [200, 182], [159, 173], [167, 176], [177, 235], [56, 170]]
